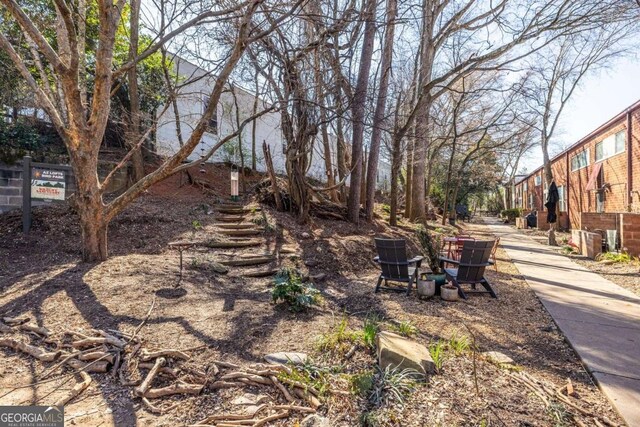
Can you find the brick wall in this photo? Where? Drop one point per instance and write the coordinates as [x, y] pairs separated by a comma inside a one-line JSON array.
[[630, 234], [10, 187], [634, 145], [598, 221]]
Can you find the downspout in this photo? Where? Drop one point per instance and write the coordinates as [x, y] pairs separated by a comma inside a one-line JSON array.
[[567, 191], [629, 160]]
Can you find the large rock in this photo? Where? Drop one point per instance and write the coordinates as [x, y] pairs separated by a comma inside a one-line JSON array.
[[282, 358], [315, 420], [404, 353], [499, 358]]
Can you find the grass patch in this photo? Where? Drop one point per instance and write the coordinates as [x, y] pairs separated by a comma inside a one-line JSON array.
[[339, 339], [370, 329], [437, 351], [406, 328], [315, 377], [458, 343]]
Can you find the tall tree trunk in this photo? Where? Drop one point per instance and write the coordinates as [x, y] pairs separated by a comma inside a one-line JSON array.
[[326, 145], [134, 96], [422, 119], [381, 104], [254, 125], [409, 179], [340, 155], [396, 162], [359, 105]]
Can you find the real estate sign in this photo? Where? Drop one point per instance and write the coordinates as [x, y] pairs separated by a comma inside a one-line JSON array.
[[47, 184]]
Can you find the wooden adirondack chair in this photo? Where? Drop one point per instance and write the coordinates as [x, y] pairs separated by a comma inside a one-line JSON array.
[[471, 266], [395, 265]]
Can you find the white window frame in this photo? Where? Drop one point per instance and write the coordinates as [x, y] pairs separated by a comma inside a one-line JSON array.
[[583, 152], [538, 180], [562, 202], [612, 139]]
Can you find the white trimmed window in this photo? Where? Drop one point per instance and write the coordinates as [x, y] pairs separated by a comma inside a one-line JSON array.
[[562, 204], [538, 180], [610, 146], [580, 160]]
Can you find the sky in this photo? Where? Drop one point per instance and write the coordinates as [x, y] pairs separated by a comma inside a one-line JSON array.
[[600, 97]]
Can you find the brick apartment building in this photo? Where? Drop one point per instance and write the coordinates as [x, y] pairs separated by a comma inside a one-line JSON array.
[[598, 181]]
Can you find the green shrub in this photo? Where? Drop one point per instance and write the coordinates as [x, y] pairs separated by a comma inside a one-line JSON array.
[[18, 139], [289, 288], [511, 214]]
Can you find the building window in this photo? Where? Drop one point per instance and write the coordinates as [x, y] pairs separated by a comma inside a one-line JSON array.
[[538, 180], [212, 125], [524, 186], [531, 201], [600, 201], [562, 206], [580, 160], [610, 146]]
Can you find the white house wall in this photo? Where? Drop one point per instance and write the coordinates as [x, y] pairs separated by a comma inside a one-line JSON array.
[[190, 101]]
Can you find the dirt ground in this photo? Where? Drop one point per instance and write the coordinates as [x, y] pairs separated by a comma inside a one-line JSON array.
[[232, 318]]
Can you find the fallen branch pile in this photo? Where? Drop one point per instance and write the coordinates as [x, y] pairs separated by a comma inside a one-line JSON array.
[[548, 394], [152, 374], [320, 206]]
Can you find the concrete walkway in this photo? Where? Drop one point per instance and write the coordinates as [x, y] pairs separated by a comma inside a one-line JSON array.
[[600, 319]]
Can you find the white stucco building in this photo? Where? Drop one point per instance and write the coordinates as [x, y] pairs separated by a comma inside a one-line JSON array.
[[192, 100]]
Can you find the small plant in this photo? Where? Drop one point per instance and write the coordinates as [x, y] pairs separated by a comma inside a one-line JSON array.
[[431, 244], [339, 339], [559, 413], [616, 257], [361, 383], [289, 288], [264, 222], [393, 385], [196, 225], [437, 351], [370, 330], [369, 419], [406, 328], [386, 208], [315, 377], [511, 214], [458, 343], [569, 250]]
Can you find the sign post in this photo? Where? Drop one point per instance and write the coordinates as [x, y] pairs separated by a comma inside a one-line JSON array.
[[26, 194], [40, 181]]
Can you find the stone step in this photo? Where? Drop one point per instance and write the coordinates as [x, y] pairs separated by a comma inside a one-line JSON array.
[[244, 262], [237, 210], [240, 243], [259, 272], [230, 218], [248, 232], [237, 226]]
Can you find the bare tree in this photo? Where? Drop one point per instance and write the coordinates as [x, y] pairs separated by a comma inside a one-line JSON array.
[[557, 72], [82, 127]]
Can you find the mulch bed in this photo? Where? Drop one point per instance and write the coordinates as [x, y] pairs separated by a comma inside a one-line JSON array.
[[231, 318]]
